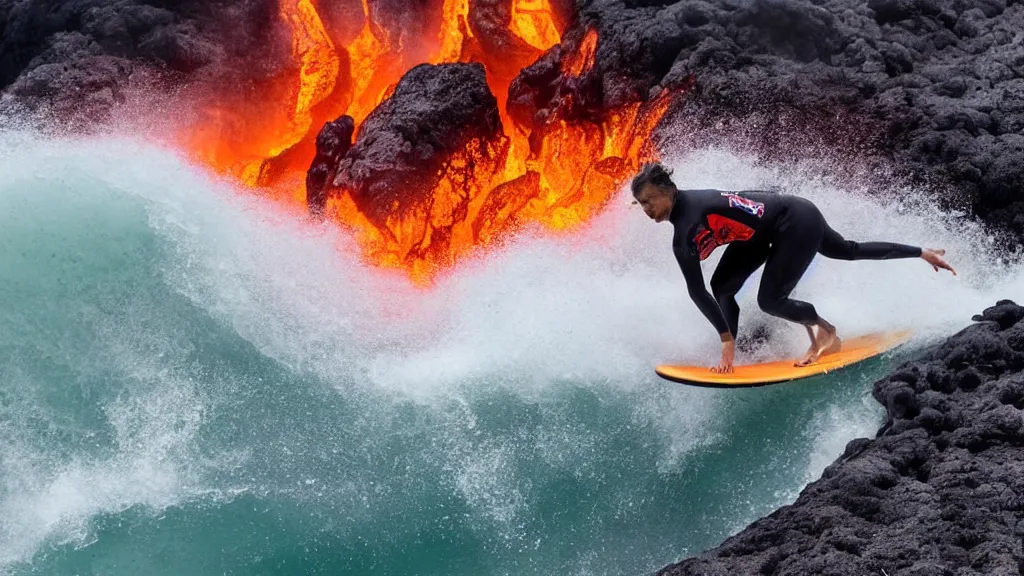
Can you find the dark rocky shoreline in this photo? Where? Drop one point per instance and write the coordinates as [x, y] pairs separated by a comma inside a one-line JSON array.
[[939, 491]]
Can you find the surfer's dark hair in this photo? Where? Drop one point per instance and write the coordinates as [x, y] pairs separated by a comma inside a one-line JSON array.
[[653, 173]]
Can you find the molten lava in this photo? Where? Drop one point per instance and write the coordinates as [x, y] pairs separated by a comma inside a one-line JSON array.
[[559, 178], [582, 60], [531, 21]]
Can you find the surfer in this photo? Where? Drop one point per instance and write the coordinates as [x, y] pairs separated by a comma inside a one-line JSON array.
[[783, 232]]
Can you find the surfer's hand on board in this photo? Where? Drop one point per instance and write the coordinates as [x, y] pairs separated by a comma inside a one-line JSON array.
[[728, 353], [934, 257]]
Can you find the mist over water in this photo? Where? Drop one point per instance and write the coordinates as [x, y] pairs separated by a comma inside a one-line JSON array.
[[192, 380]]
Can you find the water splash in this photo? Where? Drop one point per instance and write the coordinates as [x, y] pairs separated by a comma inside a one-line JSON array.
[[174, 341]]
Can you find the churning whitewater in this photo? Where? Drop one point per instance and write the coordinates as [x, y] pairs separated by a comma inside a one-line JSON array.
[[193, 381]]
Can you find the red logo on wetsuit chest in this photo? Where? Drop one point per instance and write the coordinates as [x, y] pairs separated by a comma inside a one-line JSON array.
[[747, 205], [722, 231]]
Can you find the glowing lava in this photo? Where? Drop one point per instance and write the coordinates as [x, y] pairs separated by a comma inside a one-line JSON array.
[[454, 31], [531, 21], [564, 178]]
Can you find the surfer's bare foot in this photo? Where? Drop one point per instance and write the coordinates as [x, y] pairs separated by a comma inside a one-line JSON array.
[[728, 355], [812, 352], [825, 342], [808, 358], [828, 340]]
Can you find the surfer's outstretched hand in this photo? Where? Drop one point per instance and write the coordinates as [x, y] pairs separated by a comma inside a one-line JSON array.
[[728, 353], [934, 257]]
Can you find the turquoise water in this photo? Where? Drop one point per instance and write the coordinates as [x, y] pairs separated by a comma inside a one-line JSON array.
[[191, 383]]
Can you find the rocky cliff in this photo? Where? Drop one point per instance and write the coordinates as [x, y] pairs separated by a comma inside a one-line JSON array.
[[932, 89], [939, 491]]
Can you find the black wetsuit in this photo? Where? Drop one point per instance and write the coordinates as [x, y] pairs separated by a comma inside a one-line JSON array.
[[782, 232]]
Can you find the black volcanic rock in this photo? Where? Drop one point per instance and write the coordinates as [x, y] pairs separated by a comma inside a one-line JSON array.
[[939, 490], [405, 146], [543, 91], [332, 143], [74, 60], [492, 42], [934, 86]]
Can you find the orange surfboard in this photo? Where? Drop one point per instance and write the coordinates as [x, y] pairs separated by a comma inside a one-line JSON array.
[[853, 350]]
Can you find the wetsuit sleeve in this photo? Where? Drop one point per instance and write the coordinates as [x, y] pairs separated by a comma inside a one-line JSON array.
[[706, 303], [884, 251]]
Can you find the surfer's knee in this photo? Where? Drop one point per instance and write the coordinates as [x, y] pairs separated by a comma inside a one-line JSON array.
[[723, 287], [770, 303], [719, 289], [787, 308]]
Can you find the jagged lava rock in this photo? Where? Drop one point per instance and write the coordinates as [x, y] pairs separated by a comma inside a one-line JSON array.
[[332, 143], [938, 491], [74, 60], [404, 147], [936, 87]]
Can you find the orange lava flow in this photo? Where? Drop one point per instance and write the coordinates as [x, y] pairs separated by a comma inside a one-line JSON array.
[[488, 189], [453, 32], [583, 59], [531, 21], [372, 65]]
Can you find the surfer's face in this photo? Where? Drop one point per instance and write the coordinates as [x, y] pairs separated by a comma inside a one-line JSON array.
[[656, 202]]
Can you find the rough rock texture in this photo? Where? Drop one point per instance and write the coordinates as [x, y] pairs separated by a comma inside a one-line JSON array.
[[405, 145], [938, 491], [75, 60], [545, 90], [936, 86], [492, 43], [332, 143]]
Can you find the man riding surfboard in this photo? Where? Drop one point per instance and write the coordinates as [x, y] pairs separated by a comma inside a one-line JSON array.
[[783, 232]]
